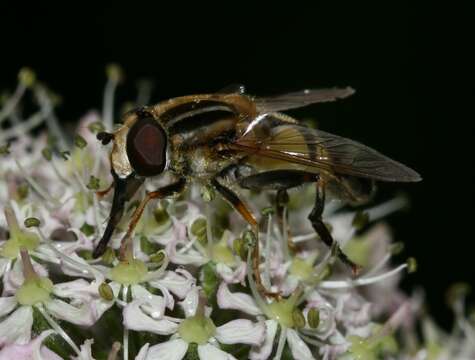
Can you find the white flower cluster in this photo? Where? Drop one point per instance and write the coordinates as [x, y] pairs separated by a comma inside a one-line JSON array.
[[186, 290]]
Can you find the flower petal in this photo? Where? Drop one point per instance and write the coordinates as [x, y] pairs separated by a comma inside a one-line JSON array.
[[86, 351], [7, 304], [236, 301], [231, 276], [169, 350], [152, 305], [190, 303], [298, 347], [263, 352], [209, 352], [241, 332], [85, 314], [177, 284], [17, 327], [143, 353], [13, 279], [30, 351], [136, 319]]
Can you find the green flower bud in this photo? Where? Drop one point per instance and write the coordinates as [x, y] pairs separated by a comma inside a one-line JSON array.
[[94, 183], [298, 319], [267, 211], [87, 229], [22, 191], [47, 153], [313, 318], [32, 222], [198, 228], [396, 248], [411, 265], [161, 215], [158, 258], [249, 238], [5, 149], [96, 126], [239, 248], [105, 292], [114, 72], [26, 77], [79, 141]]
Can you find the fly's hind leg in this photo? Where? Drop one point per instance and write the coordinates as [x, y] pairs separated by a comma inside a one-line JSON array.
[[239, 205], [315, 218], [281, 181]]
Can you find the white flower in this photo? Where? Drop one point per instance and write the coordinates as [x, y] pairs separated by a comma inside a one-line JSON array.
[[196, 328]]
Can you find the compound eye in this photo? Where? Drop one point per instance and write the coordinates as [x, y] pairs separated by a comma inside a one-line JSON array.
[[146, 147]]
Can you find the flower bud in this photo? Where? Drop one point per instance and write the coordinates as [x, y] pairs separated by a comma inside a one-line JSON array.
[[298, 318], [32, 222], [158, 257], [105, 292], [26, 77], [313, 318], [47, 153], [114, 72], [94, 183], [79, 141], [411, 265]]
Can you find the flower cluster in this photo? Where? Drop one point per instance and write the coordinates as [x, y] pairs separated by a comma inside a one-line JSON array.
[[186, 289]]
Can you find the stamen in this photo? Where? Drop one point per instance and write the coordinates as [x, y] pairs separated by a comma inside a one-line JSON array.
[[126, 330], [46, 104], [58, 329], [39, 190], [14, 100], [280, 346], [361, 281], [114, 76], [266, 275], [252, 285]]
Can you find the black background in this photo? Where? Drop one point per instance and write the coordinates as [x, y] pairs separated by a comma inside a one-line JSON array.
[[401, 59]]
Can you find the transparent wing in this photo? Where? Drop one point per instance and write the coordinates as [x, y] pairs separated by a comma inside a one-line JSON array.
[[321, 150], [300, 99]]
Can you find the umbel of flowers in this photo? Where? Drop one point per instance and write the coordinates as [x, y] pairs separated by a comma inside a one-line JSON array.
[[182, 288]]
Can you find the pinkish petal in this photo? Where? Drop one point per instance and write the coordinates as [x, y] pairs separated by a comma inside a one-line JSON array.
[[209, 352], [136, 319], [30, 351], [263, 352], [143, 352], [16, 328], [13, 279], [178, 284], [241, 332], [231, 276], [7, 304], [169, 350], [236, 301], [298, 347], [152, 305], [190, 303], [85, 314], [86, 351]]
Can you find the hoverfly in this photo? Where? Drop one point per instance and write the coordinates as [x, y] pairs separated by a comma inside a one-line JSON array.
[[212, 138]]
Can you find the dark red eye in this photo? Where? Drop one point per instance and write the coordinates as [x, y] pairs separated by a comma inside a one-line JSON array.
[[147, 147]]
